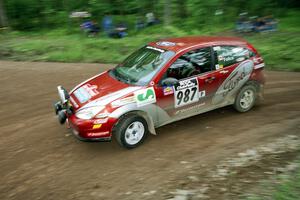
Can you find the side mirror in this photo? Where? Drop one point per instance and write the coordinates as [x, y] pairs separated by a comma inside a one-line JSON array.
[[169, 81]]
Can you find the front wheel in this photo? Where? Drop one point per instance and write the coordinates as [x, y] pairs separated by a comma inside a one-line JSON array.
[[131, 131], [245, 99]]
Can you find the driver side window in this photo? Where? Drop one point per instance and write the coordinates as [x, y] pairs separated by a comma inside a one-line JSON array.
[[190, 64]]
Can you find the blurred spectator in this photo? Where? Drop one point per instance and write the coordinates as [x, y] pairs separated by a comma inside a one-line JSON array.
[[259, 24], [119, 31], [272, 23], [243, 24], [107, 25], [265, 24], [150, 19], [90, 28], [255, 24], [139, 24]]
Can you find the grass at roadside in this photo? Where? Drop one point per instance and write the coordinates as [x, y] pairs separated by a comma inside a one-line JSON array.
[[288, 187], [281, 50]]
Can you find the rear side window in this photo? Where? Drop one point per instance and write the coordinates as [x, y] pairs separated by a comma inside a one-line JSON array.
[[201, 58], [190, 64], [229, 55]]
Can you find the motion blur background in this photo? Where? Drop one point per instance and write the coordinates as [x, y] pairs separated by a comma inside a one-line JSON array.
[[107, 31], [216, 155]]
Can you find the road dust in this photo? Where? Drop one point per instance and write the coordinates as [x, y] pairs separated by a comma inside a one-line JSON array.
[[212, 155]]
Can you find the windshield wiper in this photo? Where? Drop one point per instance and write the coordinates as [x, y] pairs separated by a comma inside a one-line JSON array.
[[115, 74], [120, 77]]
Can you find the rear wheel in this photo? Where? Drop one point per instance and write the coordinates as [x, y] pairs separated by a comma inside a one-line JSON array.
[[131, 131], [245, 99]]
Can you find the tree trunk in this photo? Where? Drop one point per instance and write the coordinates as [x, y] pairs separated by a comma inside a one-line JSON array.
[[167, 12], [3, 19], [181, 7]]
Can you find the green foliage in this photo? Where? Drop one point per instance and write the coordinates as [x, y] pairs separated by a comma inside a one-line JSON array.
[[44, 32], [281, 50], [43, 14]]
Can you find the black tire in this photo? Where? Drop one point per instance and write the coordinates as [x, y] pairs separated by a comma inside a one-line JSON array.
[[127, 122], [240, 98]]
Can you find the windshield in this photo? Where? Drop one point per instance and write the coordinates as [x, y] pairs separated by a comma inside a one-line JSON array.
[[141, 66]]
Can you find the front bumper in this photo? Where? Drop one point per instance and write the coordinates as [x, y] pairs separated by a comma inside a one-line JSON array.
[[85, 130], [91, 130], [76, 134]]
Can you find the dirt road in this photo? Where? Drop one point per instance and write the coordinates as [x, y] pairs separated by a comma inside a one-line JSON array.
[[39, 159]]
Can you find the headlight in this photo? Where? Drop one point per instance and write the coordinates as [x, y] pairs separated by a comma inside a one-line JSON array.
[[90, 112], [102, 115]]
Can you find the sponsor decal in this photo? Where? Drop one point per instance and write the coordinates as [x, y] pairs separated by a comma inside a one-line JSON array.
[[102, 115], [165, 43], [238, 77], [156, 49], [202, 94], [190, 109], [229, 58], [91, 89], [168, 90], [186, 92], [97, 134], [100, 121], [77, 86], [96, 126], [104, 100], [259, 66], [86, 92], [235, 79], [145, 96], [219, 66], [221, 58], [217, 48], [240, 59], [123, 102]]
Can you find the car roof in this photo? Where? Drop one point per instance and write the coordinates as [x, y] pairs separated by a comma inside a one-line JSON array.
[[182, 43]]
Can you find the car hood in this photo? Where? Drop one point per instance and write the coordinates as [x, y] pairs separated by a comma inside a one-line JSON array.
[[99, 90]]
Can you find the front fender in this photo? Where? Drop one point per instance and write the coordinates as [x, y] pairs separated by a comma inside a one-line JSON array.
[[148, 112]]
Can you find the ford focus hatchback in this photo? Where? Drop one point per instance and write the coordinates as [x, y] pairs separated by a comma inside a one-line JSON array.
[[160, 83]]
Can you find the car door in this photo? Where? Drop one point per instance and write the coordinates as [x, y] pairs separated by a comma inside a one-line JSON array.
[[187, 85], [233, 67]]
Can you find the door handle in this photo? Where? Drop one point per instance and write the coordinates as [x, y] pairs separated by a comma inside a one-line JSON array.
[[210, 79], [224, 71]]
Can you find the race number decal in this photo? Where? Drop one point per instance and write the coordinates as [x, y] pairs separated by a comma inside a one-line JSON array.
[[186, 92]]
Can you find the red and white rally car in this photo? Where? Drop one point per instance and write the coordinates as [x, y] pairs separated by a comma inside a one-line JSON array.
[[160, 83]]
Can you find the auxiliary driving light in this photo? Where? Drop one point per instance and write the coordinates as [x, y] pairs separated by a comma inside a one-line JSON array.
[[62, 116]]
